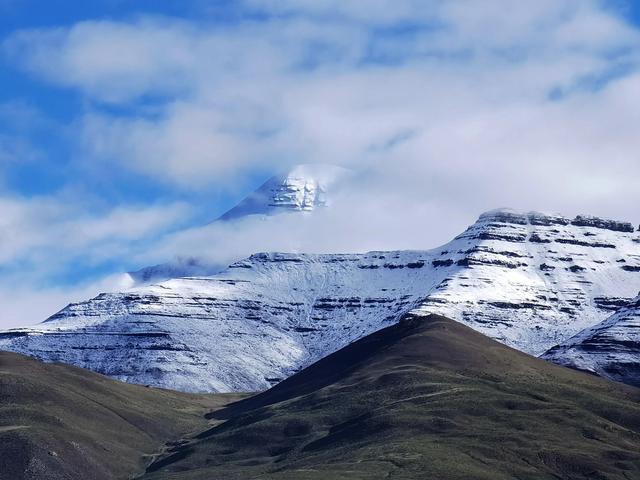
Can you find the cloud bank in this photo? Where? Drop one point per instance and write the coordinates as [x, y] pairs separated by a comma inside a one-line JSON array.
[[445, 109]]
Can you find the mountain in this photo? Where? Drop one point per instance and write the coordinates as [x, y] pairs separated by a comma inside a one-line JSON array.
[[302, 189], [529, 280], [59, 422], [425, 398], [610, 349]]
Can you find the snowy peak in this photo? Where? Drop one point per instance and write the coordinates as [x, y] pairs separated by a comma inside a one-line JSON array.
[[531, 280], [302, 189]]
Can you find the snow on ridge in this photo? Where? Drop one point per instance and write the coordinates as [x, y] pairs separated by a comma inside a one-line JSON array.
[[540, 218], [530, 284], [610, 349], [180, 267]]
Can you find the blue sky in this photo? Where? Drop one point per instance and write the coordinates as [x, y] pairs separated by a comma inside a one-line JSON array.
[[59, 107], [49, 110], [126, 126]]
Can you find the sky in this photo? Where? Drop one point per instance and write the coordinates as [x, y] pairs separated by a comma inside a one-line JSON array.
[[126, 127]]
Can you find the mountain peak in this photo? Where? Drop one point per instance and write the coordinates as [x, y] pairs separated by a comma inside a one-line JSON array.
[[303, 188]]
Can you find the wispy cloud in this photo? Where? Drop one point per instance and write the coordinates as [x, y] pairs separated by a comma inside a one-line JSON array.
[[52, 231], [320, 81], [444, 108], [45, 239], [109, 60]]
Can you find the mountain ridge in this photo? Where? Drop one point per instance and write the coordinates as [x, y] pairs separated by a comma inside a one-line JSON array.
[[528, 280]]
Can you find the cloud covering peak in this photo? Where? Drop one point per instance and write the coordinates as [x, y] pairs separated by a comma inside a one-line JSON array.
[[442, 109]]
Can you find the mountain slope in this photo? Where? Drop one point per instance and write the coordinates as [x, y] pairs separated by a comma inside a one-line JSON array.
[[62, 422], [610, 349], [528, 280], [302, 189], [425, 398], [531, 280]]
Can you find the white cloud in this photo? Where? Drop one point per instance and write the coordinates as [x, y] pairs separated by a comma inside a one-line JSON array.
[[301, 86], [47, 232], [107, 59], [189, 145], [448, 108], [22, 304], [359, 219], [48, 237]]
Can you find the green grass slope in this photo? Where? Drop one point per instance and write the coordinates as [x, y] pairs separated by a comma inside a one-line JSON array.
[[425, 399], [63, 422]]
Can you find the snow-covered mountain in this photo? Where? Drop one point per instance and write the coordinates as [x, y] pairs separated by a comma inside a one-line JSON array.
[[302, 189], [610, 349], [528, 280]]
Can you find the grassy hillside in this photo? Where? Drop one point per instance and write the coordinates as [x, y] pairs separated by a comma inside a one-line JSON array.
[[62, 422], [427, 398]]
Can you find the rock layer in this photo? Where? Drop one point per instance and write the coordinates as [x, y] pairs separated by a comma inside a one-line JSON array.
[[610, 349], [530, 281]]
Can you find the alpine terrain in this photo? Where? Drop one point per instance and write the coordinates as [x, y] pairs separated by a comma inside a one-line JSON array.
[[530, 281]]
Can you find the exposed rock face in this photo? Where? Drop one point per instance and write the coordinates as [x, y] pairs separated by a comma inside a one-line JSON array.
[[528, 280], [243, 330], [585, 221], [302, 189], [610, 349], [553, 274]]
